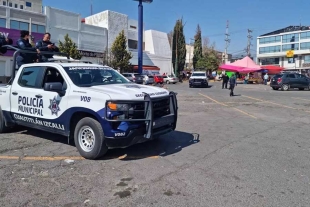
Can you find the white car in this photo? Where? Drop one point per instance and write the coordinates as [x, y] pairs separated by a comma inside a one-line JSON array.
[[170, 79], [198, 78], [93, 104]]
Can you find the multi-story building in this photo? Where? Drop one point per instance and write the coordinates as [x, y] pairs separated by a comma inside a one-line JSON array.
[[28, 5], [273, 47]]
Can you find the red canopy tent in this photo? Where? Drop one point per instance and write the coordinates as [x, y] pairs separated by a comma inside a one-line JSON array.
[[272, 69]]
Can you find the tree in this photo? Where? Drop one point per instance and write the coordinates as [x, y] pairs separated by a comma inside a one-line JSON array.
[[197, 47], [210, 60], [69, 47], [178, 47], [120, 57]]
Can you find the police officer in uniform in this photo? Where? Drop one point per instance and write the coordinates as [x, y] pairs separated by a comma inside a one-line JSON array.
[[23, 44], [46, 45], [4, 41]]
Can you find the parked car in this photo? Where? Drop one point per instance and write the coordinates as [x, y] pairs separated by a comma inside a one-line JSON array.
[[158, 79], [134, 77], [287, 81], [198, 78], [148, 79], [170, 79]]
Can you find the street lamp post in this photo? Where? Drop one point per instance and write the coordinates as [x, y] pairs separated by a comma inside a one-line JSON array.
[[140, 33]]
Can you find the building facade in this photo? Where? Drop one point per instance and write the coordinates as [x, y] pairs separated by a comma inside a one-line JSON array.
[[12, 20], [28, 5], [90, 40], [273, 48]]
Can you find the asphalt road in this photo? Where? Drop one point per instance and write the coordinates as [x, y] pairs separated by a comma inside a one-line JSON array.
[[252, 149]]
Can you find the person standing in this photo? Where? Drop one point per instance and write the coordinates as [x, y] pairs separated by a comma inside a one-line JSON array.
[[266, 78], [225, 81], [232, 84], [23, 44], [46, 45]]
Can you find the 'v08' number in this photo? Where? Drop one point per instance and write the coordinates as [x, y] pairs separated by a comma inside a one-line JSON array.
[[85, 98]]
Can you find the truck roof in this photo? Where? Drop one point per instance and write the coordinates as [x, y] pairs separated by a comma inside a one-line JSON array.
[[75, 64]]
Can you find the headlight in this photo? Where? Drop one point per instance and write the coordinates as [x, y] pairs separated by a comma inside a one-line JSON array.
[[118, 107]]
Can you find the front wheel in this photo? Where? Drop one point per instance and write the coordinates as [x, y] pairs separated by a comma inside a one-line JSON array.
[[274, 88], [89, 138], [168, 82]]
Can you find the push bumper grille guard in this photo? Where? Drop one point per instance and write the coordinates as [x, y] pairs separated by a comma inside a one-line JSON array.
[[148, 112]]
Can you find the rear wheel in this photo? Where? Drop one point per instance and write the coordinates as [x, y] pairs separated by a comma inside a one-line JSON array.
[[168, 82], [301, 89], [285, 87], [274, 88], [89, 138]]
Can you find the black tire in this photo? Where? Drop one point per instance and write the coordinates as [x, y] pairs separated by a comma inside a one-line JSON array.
[[274, 88], [301, 89], [167, 82], [3, 128], [190, 86], [99, 146], [285, 87]]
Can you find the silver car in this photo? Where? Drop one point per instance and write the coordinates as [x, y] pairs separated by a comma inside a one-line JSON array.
[[134, 77], [170, 79]]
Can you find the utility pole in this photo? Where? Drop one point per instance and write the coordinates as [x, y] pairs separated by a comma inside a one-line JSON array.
[[248, 48], [91, 7], [227, 40]]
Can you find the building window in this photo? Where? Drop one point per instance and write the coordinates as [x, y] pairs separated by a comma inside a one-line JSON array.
[[307, 58], [28, 4], [267, 40], [16, 6], [19, 25], [2, 22], [21, 6], [4, 3], [291, 60], [37, 28], [305, 46], [305, 35], [290, 47], [10, 4], [270, 61], [271, 49], [132, 44], [290, 38]]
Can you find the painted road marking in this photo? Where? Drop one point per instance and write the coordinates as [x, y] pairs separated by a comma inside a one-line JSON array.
[[47, 158], [281, 105], [220, 103]]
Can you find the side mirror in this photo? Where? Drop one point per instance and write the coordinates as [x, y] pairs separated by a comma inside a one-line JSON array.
[[55, 87]]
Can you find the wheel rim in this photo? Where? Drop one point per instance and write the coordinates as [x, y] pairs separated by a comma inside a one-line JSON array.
[[86, 138], [285, 87]]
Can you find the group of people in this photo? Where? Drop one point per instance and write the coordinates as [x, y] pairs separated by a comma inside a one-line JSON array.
[[42, 45], [23, 43], [232, 83]]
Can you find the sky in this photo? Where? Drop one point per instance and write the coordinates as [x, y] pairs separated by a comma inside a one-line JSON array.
[[260, 16]]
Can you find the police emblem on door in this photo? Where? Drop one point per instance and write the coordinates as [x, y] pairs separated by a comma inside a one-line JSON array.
[[54, 106]]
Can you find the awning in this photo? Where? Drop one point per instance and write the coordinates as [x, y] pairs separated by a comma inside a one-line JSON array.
[[135, 67]]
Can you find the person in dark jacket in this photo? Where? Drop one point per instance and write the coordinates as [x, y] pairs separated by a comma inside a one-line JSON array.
[[46, 45], [232, 83], [225, 81], [4, 41], [23, 44]]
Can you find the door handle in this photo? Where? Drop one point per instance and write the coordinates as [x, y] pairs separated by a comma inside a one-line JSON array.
[[14, 93], [39, 96]]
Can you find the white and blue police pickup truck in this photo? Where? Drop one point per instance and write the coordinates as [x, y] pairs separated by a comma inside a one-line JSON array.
[[92, 104]]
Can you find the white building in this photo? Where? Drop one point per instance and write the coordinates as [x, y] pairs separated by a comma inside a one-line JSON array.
[[90, 40], [158, 50], [28, 5], [272, 48], [189, 57]]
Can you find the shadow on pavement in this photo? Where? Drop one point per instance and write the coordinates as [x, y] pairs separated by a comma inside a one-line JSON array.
[[166, 145]]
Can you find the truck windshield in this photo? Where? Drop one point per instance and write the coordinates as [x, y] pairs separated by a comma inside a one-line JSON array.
[[198, 74], [86, 76]]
